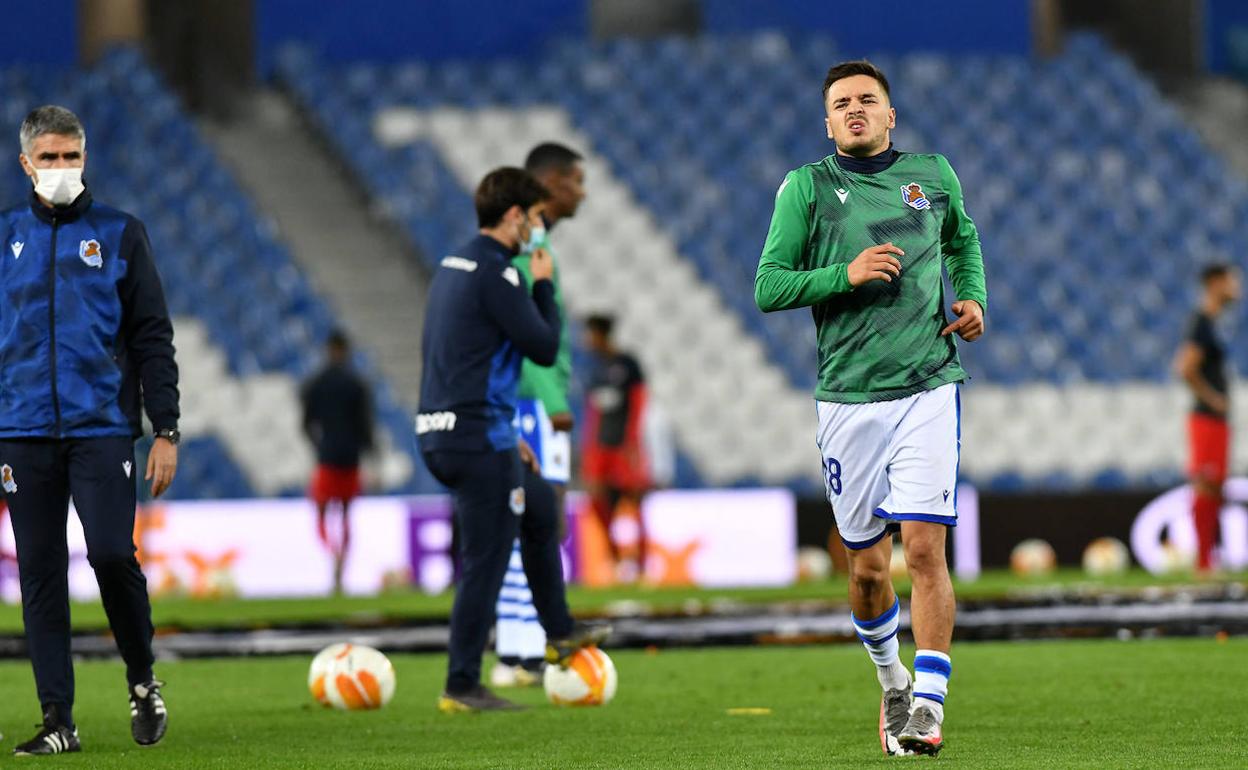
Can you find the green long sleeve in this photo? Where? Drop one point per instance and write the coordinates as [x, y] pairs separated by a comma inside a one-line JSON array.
[[782, 282], [548, 384], [959, 240]]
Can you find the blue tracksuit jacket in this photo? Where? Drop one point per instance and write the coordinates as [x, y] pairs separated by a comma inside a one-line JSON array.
[[85, 336]]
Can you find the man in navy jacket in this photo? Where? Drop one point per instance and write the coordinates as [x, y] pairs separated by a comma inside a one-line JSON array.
[[85, 343], [480, 323]]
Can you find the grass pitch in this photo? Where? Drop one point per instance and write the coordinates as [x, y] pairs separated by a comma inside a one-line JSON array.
[[404, 606], [1064, 704]]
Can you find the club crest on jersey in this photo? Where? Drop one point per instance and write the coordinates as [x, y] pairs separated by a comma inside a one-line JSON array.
[[89, 252], [6, 479], [517, 500], [913, 195]]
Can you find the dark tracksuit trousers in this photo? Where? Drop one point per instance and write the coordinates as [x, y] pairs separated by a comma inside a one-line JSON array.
[[99, 473], [485, 490]]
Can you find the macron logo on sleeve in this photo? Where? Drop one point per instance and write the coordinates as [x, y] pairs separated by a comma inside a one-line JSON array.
[[17, 247], [435, 422], [459, 263], [512, 276]]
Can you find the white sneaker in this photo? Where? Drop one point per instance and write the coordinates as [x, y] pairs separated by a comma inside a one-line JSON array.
[[922, 733], [894, 714], [504, 675]]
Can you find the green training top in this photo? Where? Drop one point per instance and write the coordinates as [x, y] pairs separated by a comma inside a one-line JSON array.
[[548, 384], [881, 340]]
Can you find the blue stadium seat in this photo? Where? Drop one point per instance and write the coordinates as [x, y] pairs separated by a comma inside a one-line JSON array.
[[700, 127], [148, 157]]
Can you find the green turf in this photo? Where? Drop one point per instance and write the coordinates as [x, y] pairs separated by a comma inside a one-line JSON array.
[[1066, 704], [398, 606]]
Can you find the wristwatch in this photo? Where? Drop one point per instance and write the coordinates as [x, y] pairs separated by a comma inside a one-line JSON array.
[[172, 435]]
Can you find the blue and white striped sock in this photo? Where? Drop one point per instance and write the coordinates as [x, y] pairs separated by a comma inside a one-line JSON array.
[[518, 634], [931, 680], [879, 636]]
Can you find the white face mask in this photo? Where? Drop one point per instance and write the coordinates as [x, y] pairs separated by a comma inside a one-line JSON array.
[[537, 235], [60, 186]]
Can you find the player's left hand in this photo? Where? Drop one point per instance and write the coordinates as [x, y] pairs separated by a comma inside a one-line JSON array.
[[528, 457], [162, 465], [541, 265], [970, 323]]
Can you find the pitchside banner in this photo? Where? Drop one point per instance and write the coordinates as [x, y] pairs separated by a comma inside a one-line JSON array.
[[270, 548], [1163, 536], [244, 547]]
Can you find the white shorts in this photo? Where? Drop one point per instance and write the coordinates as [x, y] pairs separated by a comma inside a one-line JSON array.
[[891, 461], [552, 447]]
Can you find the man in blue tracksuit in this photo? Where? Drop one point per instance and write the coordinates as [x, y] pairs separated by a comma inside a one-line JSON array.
[[480, 323], [85, 343]]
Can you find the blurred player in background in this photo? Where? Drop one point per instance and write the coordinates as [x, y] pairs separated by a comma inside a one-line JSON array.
[[1201, 362], [860, 237], [481, 321], [338, 420], [543, 415], [614, 460]]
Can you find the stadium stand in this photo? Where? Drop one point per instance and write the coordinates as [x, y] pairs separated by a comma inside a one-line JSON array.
[[1092, 236], [248, 326]]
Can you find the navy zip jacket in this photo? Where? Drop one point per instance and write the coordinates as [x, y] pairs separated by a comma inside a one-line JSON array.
[[85, 336], [480, 324]]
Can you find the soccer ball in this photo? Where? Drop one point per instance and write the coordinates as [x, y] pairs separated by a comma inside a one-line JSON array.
[[1175, 560], [1032, 558], [318, 670], [586, 678], [1105, 556], [813, 564], [351, 677]]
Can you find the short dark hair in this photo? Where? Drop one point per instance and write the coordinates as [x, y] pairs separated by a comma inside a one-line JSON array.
[[503, 188], [338, 339], [1212, 272], [549, 156], [848, 69], [601, 323]]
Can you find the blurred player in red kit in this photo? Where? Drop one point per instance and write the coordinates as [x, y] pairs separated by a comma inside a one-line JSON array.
[[1201, 362], [338, 420], [615, 468]]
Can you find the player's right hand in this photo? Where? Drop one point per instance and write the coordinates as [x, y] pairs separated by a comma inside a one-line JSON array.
[[876, 263], [541, 265], [528, 456]]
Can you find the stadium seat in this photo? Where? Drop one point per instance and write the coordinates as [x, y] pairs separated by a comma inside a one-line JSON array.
[[701, 132], [221, 266]]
